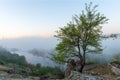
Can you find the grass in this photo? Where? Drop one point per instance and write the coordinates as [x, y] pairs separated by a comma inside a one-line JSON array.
[[103, 70]]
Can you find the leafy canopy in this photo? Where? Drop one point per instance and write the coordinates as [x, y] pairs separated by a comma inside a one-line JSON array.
[[81, 35]]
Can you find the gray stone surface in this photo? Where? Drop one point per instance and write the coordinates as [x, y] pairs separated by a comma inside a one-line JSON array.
[[118, 78], [78, 76], [115, 70]]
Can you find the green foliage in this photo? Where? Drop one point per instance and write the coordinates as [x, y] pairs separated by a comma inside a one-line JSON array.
[[42, 70], [6, 57], [115, 62], [58, 58], [116, 57], [80, 36], [38, 65], [113, 36], [2, 62], [91, 62]]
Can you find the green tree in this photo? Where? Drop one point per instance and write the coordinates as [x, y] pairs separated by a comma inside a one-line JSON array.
[[80, 36]]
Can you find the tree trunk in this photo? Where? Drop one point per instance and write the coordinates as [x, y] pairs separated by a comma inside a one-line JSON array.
[[81, 68], [82, 65]]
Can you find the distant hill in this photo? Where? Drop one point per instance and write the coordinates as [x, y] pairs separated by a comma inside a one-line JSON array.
[[6, 57], [36, 52]]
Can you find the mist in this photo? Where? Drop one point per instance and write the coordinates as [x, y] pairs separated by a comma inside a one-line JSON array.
[[28, 43], [36, 49], [111, 47]]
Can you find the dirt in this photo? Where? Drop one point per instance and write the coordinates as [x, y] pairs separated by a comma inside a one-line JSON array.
[[104, 71]]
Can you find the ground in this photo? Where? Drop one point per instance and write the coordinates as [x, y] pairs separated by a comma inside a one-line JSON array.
[[100, 70], [103, 70]]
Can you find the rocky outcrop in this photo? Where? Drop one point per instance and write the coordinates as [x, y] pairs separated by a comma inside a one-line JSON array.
[[75, 76], [115, 69], [78, 76], [71, 65]]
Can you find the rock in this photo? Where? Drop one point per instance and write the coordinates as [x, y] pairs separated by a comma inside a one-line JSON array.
[[79, 76], [44, 78], [71, 65], [115, 70], [75, 75], [57, 76], [15, 76], [118, 78]]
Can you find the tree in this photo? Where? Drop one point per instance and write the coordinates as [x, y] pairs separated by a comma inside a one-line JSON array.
[[80, 36]]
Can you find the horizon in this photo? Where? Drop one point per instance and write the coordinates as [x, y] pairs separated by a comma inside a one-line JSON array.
[[41, 18]]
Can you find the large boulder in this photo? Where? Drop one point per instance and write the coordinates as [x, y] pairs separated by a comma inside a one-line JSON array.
[[71, 65]]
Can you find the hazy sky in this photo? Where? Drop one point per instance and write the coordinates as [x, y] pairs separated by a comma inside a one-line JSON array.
[[21, 18]]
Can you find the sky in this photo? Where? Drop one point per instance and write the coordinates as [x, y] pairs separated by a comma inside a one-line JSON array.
[[41, 18]]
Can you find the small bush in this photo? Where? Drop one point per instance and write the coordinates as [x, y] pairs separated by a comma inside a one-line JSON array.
[[42, 70], [2, 62], [115, 62], [91, 62]]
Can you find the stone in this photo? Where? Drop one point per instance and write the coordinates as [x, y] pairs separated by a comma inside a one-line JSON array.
[[115, 70], [71, 66], [75, 76], [118, 78], [80, 76], [57, 76]]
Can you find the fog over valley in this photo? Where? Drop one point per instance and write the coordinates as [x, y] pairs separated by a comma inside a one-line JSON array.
[[33, 48], [36, 49]]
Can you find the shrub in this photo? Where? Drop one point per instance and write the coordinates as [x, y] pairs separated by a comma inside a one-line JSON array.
[[42, 70]]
